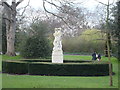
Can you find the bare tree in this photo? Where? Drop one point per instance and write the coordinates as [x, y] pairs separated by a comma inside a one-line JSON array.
[[76, 17], [0, 29], [9, 14], [108, 37], [118, 26], [70, 17]]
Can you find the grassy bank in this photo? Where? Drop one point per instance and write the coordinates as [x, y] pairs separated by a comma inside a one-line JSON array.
[[27, 81]]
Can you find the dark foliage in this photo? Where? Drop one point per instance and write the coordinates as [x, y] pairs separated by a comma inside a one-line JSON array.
[[36, 47], [69, 69], [116, 25], [47, 68], [13, 67]]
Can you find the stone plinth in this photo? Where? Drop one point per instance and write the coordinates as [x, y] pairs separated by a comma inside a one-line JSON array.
[[57, 56]]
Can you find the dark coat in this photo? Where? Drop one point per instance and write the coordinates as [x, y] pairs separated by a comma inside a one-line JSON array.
[[99, 56], [94, 56]]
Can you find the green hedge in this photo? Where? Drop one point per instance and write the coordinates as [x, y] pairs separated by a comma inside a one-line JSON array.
[[43, 67], [65, 61], [69, 69], [14, 67]]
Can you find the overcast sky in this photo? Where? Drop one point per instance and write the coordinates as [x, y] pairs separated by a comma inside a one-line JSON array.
[[86, 3]]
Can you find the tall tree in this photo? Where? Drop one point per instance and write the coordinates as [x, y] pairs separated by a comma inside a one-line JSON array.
[[108, 41], [108, 38], [4, 40], [0, 31], [9, 14], [114, 24], [70, 16], [118, 23]]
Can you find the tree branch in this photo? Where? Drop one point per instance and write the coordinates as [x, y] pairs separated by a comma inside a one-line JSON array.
[[19, 2], [52, 4], [101, 3], [112, 2], [6, 4], [25, 8], [55, 14]]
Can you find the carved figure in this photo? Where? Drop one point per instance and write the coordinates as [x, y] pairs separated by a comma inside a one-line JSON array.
[[57, 41]]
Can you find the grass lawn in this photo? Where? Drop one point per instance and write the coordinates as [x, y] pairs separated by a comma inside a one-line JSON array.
[[29, 81]]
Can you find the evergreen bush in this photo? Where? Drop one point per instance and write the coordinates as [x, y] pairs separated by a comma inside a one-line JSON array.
[[36, 47]]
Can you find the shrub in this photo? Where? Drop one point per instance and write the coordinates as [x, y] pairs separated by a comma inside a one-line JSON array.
[[36, 47], [86, 43]]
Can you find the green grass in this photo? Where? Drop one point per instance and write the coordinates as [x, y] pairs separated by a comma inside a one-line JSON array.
[[66, 57], [5, 57], [77, 57], [27, 81]]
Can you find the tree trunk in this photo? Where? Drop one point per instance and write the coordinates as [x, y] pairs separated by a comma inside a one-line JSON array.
[[10, 19], [110, 65], [110, 45], [11, 40], [119, 48], [4, 39], [11, 27]]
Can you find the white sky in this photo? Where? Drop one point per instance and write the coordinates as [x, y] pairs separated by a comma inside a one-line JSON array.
[[86, 3]]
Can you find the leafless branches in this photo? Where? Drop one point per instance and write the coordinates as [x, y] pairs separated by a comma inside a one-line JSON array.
[[24, 8], [58, 7], [70, 16], [101, 3], [62, 18], [107, 3]]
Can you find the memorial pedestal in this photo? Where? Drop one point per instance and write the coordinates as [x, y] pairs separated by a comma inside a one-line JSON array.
[[57, 56]]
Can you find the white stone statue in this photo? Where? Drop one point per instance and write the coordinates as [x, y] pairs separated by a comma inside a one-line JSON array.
[[57, 53], [57, 41]]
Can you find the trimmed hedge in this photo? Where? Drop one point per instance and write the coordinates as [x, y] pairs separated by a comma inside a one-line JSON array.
[[14, 67], [65, 61], [45, 67], [69, 69]]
